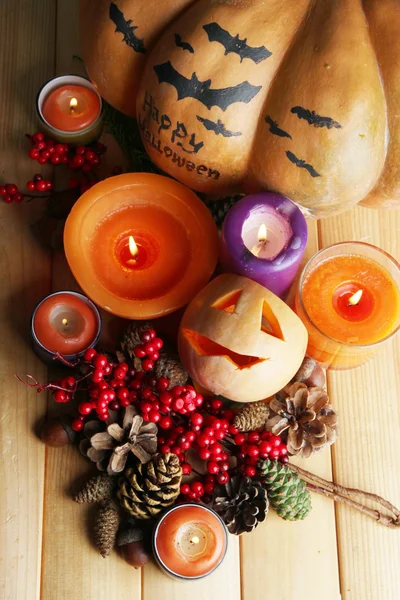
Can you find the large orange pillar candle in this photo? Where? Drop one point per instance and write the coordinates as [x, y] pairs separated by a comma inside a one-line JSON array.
[[70, 109], [190, 541], [66, 323], [349, 300], [141, 245]]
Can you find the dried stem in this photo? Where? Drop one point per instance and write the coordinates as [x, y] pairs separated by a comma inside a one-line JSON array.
[[348, 496]]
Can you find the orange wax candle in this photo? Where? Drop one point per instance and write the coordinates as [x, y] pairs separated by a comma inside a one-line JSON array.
[[190, 541], [349, 302], [71, 107], [141, 245], [65, 322]]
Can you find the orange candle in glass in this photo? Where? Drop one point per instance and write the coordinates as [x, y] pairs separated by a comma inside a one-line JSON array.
[[349, 300], [65, 322], [141, 245], [190, 541], [70, 110]]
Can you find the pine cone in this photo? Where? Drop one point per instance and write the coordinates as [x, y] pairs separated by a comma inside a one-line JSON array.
[[106, 529], [251, 416], [169, 366], [96, 489], [287, 493], [306, 418], [220, 208], [145, 490], [111, 447], [242, 504]]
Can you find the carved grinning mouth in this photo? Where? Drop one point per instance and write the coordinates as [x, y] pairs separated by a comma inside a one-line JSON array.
[[206, 347]]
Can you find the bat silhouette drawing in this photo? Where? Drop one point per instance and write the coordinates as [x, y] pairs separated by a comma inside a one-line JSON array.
[[218, 128], [128, 31], [275, 130], [313, 119], [302, 164], [235, 44], [183, 45], [202, 90]]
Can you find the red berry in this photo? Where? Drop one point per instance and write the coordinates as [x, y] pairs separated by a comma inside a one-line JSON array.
[[164, 448], [42, 160], [282, 450], [165, 422], [284, 459], [125, 402], [41, 146], [253, 437], [97, 376], [222, 478], [266, 435], [60, 396], [8, 199], [85, 408], [77, 425], [45, 154], [70, 381], [250, 471], [162, 384], [11, 189], [197, 488], [224, 456], [185, 489], [3, 191], [34, 153], [146, 407], [190, 436], [203, 440], [147, 365], [55, 159], [186, 468], [41, 186], [78, 160], [80, 150], [123, 393], [204, 453], [233, 430], [119, 373], [239, 439], [89, 354], [114, 405], [100, 361], [216, 449], [196, 419], [60, 148], [275, 441], [209, 488], [274, 454], [253, 451], [158, 343], [37, 137], [104, 416], [154, 416], [223, 465], [18, 197], [212, 467], [228, 414], [177, 404], [265, 448], [216, 404]]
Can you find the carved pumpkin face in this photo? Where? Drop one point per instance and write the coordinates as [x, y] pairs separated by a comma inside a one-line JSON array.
[[239, 340], [257, 95]]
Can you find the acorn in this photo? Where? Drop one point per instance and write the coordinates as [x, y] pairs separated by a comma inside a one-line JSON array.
[[135, 554], [310, 373], [58, 432]]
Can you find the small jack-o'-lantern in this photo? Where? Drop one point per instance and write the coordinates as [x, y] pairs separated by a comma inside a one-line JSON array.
[[239, 340]]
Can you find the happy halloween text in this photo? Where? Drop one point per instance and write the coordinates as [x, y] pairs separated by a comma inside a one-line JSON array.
[[179, 136]]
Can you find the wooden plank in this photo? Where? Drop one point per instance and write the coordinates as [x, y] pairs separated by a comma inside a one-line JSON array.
[[278, 557], [26, 60], [366, 455], [71, 564]]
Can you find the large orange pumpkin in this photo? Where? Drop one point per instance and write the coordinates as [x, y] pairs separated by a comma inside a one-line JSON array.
[[297, 96]]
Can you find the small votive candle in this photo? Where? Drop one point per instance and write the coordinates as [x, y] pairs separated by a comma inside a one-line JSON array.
[[190, 541], [67, 323], [349, 300], [70, 110]]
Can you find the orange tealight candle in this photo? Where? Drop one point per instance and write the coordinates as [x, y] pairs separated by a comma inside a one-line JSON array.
[[66, 323], [71, 107], [141, 245], [70, 110], [190, 541], [349, 300]]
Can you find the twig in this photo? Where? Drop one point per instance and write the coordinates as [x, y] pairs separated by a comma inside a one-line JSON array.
[[345, 495]]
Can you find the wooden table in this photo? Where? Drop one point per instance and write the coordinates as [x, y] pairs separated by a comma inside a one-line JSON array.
[[45, 551]]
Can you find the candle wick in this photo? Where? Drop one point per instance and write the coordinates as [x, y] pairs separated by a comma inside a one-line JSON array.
[[355, 298]]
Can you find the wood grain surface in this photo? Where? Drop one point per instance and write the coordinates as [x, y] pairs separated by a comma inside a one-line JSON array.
[[46, 551]]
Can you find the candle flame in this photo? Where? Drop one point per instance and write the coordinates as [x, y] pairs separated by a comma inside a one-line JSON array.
[[133, 249], [195, 540], [355, 298], [262, 233], [73, 103], [64, 322]]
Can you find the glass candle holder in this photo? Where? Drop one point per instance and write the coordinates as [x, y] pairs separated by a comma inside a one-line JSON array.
[[348, 297], [77, 125], [67, 323], [190, 541]]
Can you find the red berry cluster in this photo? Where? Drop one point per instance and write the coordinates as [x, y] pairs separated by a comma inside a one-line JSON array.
[[63, 389], [10, 193], [148, 350], [46, 150], [39, 184], [85, 158], [256, 445]]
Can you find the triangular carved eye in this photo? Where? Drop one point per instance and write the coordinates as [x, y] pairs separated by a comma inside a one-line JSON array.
[[228, 303], [269, 322]]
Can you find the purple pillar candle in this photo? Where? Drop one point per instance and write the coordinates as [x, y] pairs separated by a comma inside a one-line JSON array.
[[263, 238]]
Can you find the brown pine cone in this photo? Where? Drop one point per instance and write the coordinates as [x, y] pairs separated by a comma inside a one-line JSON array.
[[131, 337], [145, 490], [305, 418], [96, 489], [242, 504], [169, 366], [106, 529], [251, 416]]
